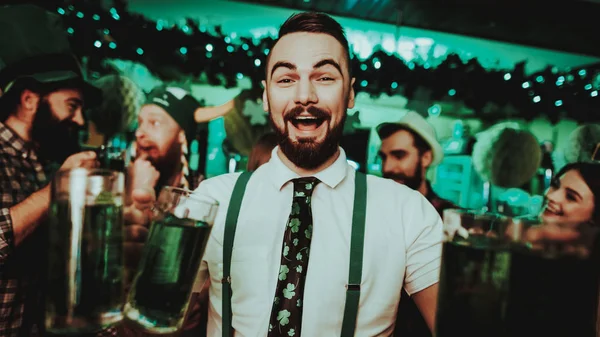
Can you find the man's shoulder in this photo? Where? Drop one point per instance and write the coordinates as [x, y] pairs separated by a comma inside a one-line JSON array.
[[399, 208], [6, 134], [390, 197], [389, 188], [9, 141], [223, 184], [218, 185], [5, 141]]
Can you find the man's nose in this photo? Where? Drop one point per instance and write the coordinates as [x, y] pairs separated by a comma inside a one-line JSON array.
[[305, 93], [139, 132], [388, 166], [78, 118]]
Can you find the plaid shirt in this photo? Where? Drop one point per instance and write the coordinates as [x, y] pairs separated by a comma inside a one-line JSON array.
[[22, 270], [21, 174]]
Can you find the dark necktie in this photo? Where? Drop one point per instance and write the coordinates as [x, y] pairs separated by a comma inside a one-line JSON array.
[[286, 315]]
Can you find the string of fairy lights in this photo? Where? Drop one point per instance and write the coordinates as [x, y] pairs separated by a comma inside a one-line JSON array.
[[190, 50]]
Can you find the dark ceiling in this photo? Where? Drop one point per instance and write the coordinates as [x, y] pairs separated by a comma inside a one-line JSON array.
[[567, 25]]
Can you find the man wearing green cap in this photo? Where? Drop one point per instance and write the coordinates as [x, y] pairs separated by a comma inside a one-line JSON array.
[[42, 94], [166, 128]]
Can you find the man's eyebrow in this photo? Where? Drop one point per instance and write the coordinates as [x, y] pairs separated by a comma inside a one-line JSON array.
[[75, 100], [322, 63], [325, 62], [283, 64]]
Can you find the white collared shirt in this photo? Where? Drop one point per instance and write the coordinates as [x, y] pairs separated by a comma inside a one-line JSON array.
[[402, 246]]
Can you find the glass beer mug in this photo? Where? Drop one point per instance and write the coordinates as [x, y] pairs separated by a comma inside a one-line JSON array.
[[474, 275], [161, 290], [509, 277], [554, 280], [85, 276]]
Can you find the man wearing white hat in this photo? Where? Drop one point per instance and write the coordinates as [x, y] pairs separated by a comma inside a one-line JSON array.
[[408, 148]]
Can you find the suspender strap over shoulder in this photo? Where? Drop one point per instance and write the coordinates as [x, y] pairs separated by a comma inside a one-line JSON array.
[[356, 255], [230, 225]]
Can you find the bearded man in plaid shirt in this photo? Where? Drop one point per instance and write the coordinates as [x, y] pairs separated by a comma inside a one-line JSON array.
[[42, 93]]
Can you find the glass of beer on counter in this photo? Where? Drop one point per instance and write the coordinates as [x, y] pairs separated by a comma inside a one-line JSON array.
[[161, 290], [85, 276]]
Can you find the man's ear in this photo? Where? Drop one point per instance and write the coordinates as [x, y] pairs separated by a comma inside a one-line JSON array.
[[264, 96], [426, 159], [29, 100], [351, 94]]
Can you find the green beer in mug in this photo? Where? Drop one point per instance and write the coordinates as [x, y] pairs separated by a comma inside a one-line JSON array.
[[85, 276], [161, 290]]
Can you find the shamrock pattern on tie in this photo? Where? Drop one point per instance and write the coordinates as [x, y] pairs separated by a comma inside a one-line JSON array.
[[286, 315]]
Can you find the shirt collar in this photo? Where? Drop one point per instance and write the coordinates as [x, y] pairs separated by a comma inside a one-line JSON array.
[[330, 176]]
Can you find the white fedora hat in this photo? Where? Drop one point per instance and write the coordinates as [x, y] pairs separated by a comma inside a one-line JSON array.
[[415, 122]]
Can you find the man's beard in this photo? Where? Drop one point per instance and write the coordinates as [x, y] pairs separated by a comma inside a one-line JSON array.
[[56, 139], [308, 153], [167, 165], [413, 181]]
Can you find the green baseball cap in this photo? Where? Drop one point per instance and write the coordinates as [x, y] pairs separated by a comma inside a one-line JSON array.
[[34, 45]]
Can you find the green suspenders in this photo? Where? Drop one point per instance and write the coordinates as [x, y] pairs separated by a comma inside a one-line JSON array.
[[233, 213], [357, 240], [356, 252]]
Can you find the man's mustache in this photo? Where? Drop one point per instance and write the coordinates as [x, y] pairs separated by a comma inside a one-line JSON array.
[[312, 110], [70, 129], [67, 126], [145, 146]]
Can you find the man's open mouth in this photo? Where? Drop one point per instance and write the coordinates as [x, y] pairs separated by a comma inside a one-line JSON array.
[[307, 123]]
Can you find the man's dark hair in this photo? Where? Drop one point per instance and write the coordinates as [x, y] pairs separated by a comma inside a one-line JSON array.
[[314, 22], [418, 141]]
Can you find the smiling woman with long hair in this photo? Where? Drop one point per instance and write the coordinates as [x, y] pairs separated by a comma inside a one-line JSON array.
[[572, 196]]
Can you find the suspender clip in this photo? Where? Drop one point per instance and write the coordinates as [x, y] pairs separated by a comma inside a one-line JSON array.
[[353, 287], [226, 280]]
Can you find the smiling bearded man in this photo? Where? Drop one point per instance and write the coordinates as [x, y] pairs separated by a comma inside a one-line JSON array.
[[294, 218]]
